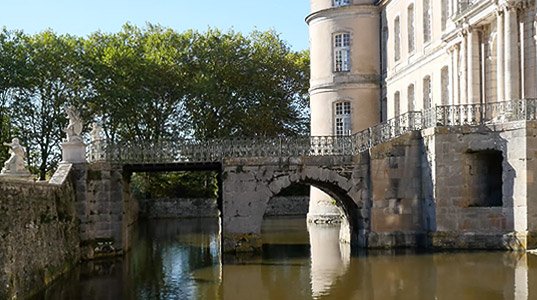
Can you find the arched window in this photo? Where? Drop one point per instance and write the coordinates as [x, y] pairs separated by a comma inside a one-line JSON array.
[[427, 96], [411, 97], [444, 78], [397, 38], [445, 13], [338, 3], [427, 19], [396, 104], [342, 118], [410, 28], [342, 52]]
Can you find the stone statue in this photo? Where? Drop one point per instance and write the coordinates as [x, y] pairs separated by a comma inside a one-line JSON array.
[[74, 128], [96, 132], [15, 165]]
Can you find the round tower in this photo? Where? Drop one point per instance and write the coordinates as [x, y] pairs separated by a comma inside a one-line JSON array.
[[345, 77]]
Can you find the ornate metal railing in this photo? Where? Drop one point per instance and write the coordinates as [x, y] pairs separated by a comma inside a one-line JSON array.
[[189, 150], [481, 113]]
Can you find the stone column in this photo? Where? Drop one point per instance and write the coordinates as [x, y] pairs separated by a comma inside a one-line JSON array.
[[500, 34], [322, 209], [471, 79], [462, 70], [455, 85], [512, 63]]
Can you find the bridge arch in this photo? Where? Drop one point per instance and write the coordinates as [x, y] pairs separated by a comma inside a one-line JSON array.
[[248, 189]]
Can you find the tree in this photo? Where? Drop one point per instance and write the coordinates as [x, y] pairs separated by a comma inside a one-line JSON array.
[[247, 86], [138, 77], [12, 72], [52, 80]]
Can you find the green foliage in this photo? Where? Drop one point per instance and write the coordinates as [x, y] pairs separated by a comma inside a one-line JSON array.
[[149, 83], [247, 86], [175, 185]]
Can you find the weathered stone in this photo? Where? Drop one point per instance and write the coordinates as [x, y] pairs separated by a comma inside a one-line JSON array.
[[39, 235]]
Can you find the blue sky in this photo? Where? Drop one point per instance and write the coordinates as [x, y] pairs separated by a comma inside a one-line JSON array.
[[81, 17]]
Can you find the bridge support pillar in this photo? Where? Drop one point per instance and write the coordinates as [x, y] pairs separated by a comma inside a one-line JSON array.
[[322, 208]]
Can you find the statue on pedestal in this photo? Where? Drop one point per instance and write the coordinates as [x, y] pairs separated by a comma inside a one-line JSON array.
[[73, 147], [16, 163], [74, 128]]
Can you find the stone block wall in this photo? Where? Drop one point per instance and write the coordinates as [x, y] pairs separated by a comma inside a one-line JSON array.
[[465, 190], [38, 235], [396, 212], [106, 211]]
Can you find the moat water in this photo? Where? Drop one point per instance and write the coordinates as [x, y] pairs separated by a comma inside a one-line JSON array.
[[179, 259]]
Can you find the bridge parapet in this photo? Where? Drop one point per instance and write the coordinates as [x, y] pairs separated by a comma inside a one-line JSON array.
[[216, 150]]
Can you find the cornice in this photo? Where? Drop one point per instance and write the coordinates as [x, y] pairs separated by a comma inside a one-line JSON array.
[[336, 12], [336, 82]]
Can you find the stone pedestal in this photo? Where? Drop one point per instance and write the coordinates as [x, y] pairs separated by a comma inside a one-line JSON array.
[[21, 175], [73, 152]]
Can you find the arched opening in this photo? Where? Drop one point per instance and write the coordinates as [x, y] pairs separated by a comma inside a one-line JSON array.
[[323, 248]]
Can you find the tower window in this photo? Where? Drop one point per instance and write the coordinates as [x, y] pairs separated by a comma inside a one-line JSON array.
[[342, 118], [342, 50], [337, 3]]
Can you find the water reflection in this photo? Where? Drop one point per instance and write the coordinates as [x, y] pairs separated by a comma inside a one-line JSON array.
[[180, 259], [172, 259], [329, 258]]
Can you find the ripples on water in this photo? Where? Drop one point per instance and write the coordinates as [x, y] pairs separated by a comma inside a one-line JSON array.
[[179, 259]]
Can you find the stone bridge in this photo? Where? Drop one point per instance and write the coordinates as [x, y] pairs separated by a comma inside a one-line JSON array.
[[451, 177]]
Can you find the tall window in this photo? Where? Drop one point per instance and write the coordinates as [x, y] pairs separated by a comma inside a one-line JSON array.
[[337, 3], [397, 38], [396, 104], [411, 97], [427, 20], [444, 78], [445, 13], [410, 28], [427, 96], [342, 118], [342, 51]]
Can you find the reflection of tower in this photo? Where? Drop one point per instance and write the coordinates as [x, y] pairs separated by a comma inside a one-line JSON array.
[[329, 258], [345, 76]]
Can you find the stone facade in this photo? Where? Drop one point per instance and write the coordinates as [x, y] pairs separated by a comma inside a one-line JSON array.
[[39, 238], [406, 55]]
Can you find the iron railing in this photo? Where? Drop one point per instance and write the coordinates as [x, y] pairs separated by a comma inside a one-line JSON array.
[[189, 150]]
